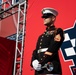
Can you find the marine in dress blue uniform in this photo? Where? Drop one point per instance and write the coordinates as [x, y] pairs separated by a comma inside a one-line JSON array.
[[45, 58]]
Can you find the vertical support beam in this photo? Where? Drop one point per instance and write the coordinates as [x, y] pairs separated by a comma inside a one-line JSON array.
[[20, 30]]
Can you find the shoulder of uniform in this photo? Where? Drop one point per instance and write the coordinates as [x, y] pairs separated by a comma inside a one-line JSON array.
[[60, 30]]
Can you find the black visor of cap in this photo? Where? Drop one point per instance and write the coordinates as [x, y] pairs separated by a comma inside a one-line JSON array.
[[47, 15]]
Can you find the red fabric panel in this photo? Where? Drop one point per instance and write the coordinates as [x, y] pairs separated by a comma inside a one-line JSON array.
[[7, 51]]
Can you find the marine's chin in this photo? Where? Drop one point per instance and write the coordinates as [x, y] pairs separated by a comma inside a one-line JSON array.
[[46, 24]]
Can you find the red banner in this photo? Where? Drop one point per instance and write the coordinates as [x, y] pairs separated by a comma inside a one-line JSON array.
[[35, 27]]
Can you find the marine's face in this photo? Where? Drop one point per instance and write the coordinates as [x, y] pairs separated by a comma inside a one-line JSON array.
[[47, 21]]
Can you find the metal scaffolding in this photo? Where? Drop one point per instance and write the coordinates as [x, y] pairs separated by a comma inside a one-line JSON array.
[[20, 8]]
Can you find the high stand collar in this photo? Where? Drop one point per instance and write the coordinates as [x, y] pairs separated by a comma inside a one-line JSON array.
[[50, 28]]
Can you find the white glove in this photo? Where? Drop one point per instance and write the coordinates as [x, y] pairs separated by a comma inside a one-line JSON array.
[[36, 65]]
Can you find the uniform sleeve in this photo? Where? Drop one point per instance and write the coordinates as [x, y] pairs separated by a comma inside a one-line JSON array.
[[34, 56], [54, 44], [53, 47]]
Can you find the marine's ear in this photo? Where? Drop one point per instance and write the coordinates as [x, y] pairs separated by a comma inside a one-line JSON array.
[[53, 18]]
